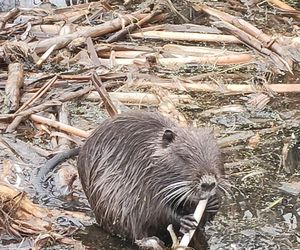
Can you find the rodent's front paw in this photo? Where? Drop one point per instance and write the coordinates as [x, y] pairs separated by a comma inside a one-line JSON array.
[[187, 223]]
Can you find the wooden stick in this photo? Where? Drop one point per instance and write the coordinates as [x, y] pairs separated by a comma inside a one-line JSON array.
[[207, 60], [45, 56], [174, 238], [19, 117], [60, 126], [110, 107], [125, 54], [186, 36], [14, 84], [256, 44], [64, 117], [197, 215]]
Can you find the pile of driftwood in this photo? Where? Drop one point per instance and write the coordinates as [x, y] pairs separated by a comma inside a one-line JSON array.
[[127, 56], [88, 39]]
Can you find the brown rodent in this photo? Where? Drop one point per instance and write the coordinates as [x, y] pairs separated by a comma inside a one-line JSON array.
[[141, 172]]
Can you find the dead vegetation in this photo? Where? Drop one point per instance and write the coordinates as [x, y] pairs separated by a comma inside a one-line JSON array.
[[158, 54]]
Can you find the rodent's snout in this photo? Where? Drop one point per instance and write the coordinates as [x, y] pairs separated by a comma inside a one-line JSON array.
[[208, 186]]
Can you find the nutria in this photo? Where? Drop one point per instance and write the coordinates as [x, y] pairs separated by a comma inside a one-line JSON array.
[[141, 172]]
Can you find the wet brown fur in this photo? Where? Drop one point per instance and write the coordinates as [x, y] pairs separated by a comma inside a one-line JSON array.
[[125, 167]]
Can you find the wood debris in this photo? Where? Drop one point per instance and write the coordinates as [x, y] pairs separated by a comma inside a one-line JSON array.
[[65, 69]]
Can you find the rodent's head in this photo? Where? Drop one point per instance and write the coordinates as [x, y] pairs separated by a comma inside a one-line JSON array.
[[194, 161]]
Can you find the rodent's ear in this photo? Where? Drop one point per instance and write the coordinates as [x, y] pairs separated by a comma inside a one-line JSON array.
[[168, 138]]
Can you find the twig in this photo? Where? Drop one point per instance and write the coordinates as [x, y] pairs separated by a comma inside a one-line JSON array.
[[171, 6], [38, 94], [61, 126], [110, 107]]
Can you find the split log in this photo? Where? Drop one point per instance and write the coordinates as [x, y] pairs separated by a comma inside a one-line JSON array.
[[53, 139], [92, 52], [14, 84]]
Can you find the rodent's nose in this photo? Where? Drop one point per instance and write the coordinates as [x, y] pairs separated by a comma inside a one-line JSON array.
[[208, 186]]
